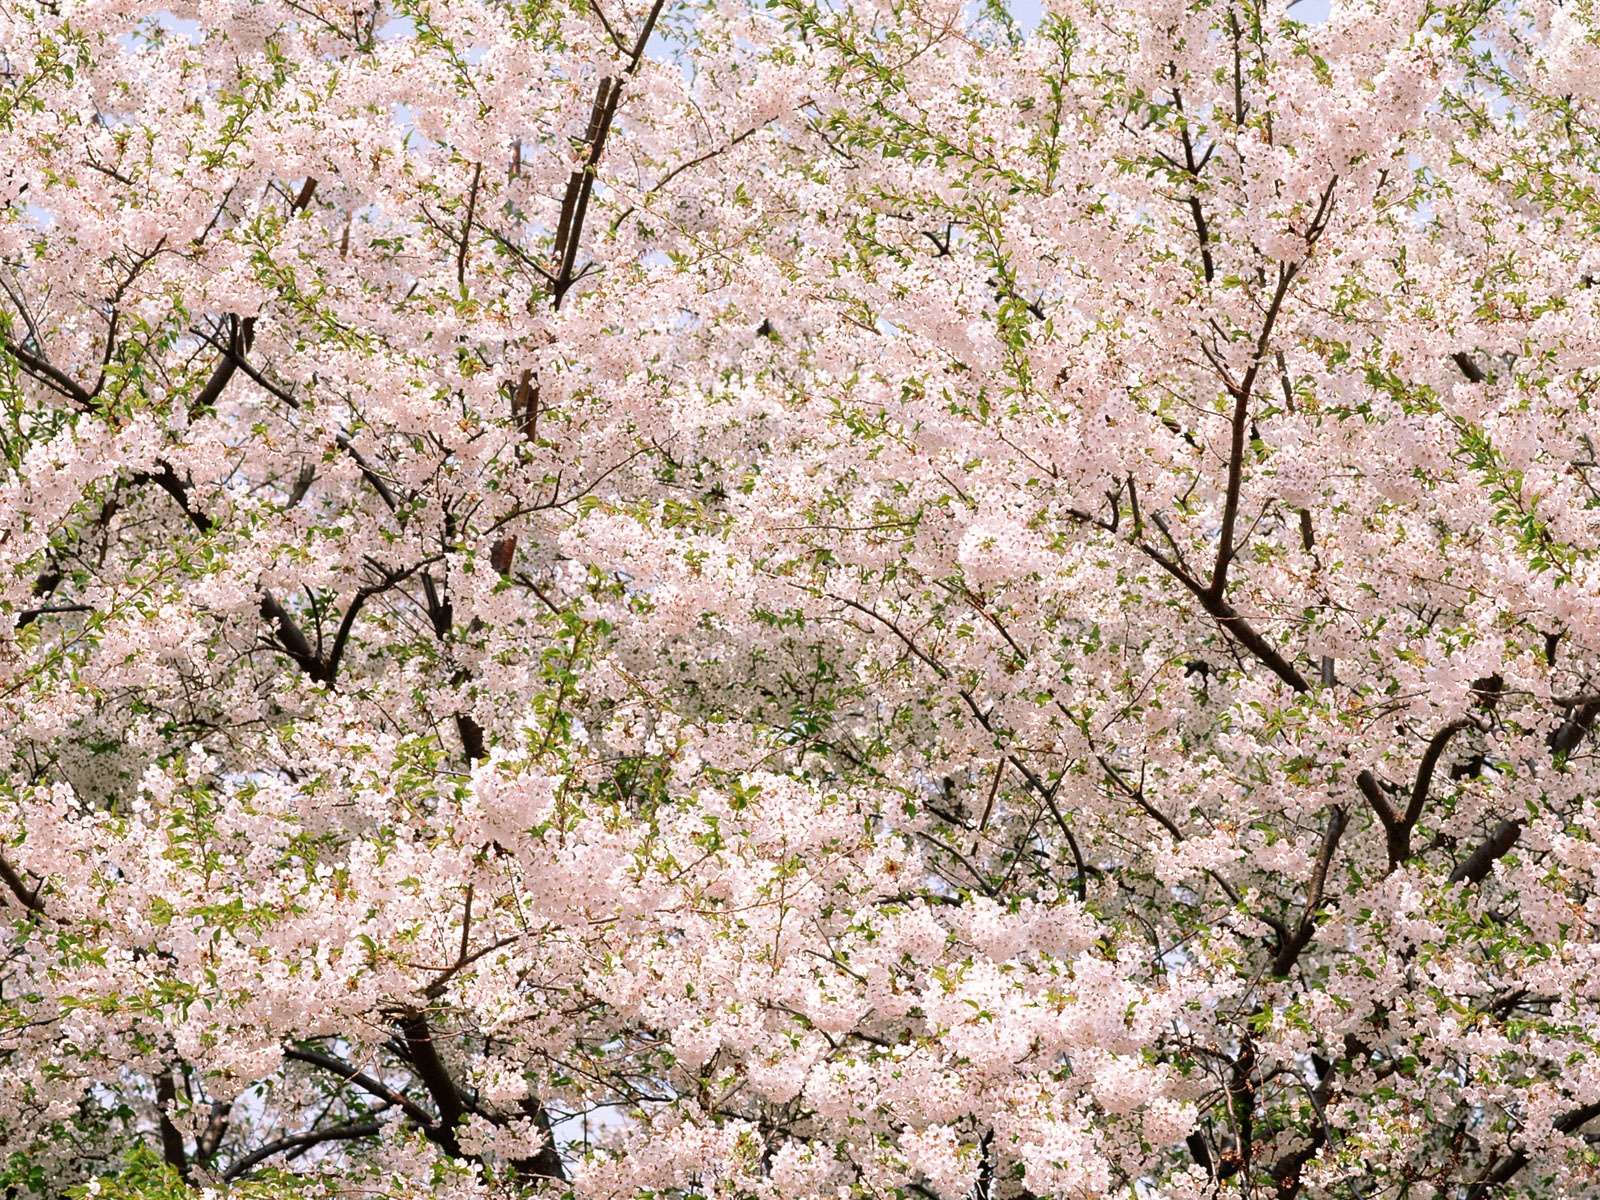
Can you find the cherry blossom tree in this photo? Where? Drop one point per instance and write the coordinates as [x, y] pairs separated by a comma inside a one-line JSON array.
[[765, 602]]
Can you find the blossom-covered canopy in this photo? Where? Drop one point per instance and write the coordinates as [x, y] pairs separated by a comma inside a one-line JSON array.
[[799, 601]]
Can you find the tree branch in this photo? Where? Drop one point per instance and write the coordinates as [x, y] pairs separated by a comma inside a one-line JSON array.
[[243, 330], [1234, 624], [1373, 791], [1567, 736], [1289, 953], [1476, 866], [297, 1141], [1469, 368], [13, 881], [367, 1083], [367, 471], [291, 639], [1568, 1122], [172, 1148], [1241, 423], [423, 1055], [580, 185], [167, 480], [1399, 831], [57, 380], [466, 230]]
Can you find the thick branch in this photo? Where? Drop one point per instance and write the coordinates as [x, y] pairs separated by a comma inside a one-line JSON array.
[[466, 229], [29, 615], [167, 480], [367, 1083], [51, 377], [1399, 829], [1204, 235], [1469, 368], [580, 186], [547, 1163], [290, 637], [243, 331], [211, 1136], [1566, 738], [29, 899], [315, 1137], [367, 471], [172, 1149], [1233, 623], [423, 1055], [1569, 1122], [1289, 953], [1373, 791], [1476, 866]]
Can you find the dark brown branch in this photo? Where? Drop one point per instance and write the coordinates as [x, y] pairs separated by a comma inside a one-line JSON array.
[[1399, 831], [56, 380], [341, 440], [1241, 1103], [167, 480], [503, 554], [293, 641], [1476, 866], [606, 25], [108, 172], [732, 142], [466, 230], [342, 638], [1286, 1172], [525, 400], [1043, 790], [1568, 1122], [1232, 622], [290, 637], [1204, 235], [308, 189], [205, 1146], [1567, 736], [299, 1141], [367, 472], [1373, 791], [222, 373], [172, 1148], [243, 332], [29, 899], [1241, 423], [569, 202], [1289, 953], [367, 1083], [474, 740], [547, 1163], [423, 1055], [1193, 168], [1469, 368], [438, 987], [302, 485], [229, 352], [644, 36], [575, 204], [1136, 794], [605, 109]]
